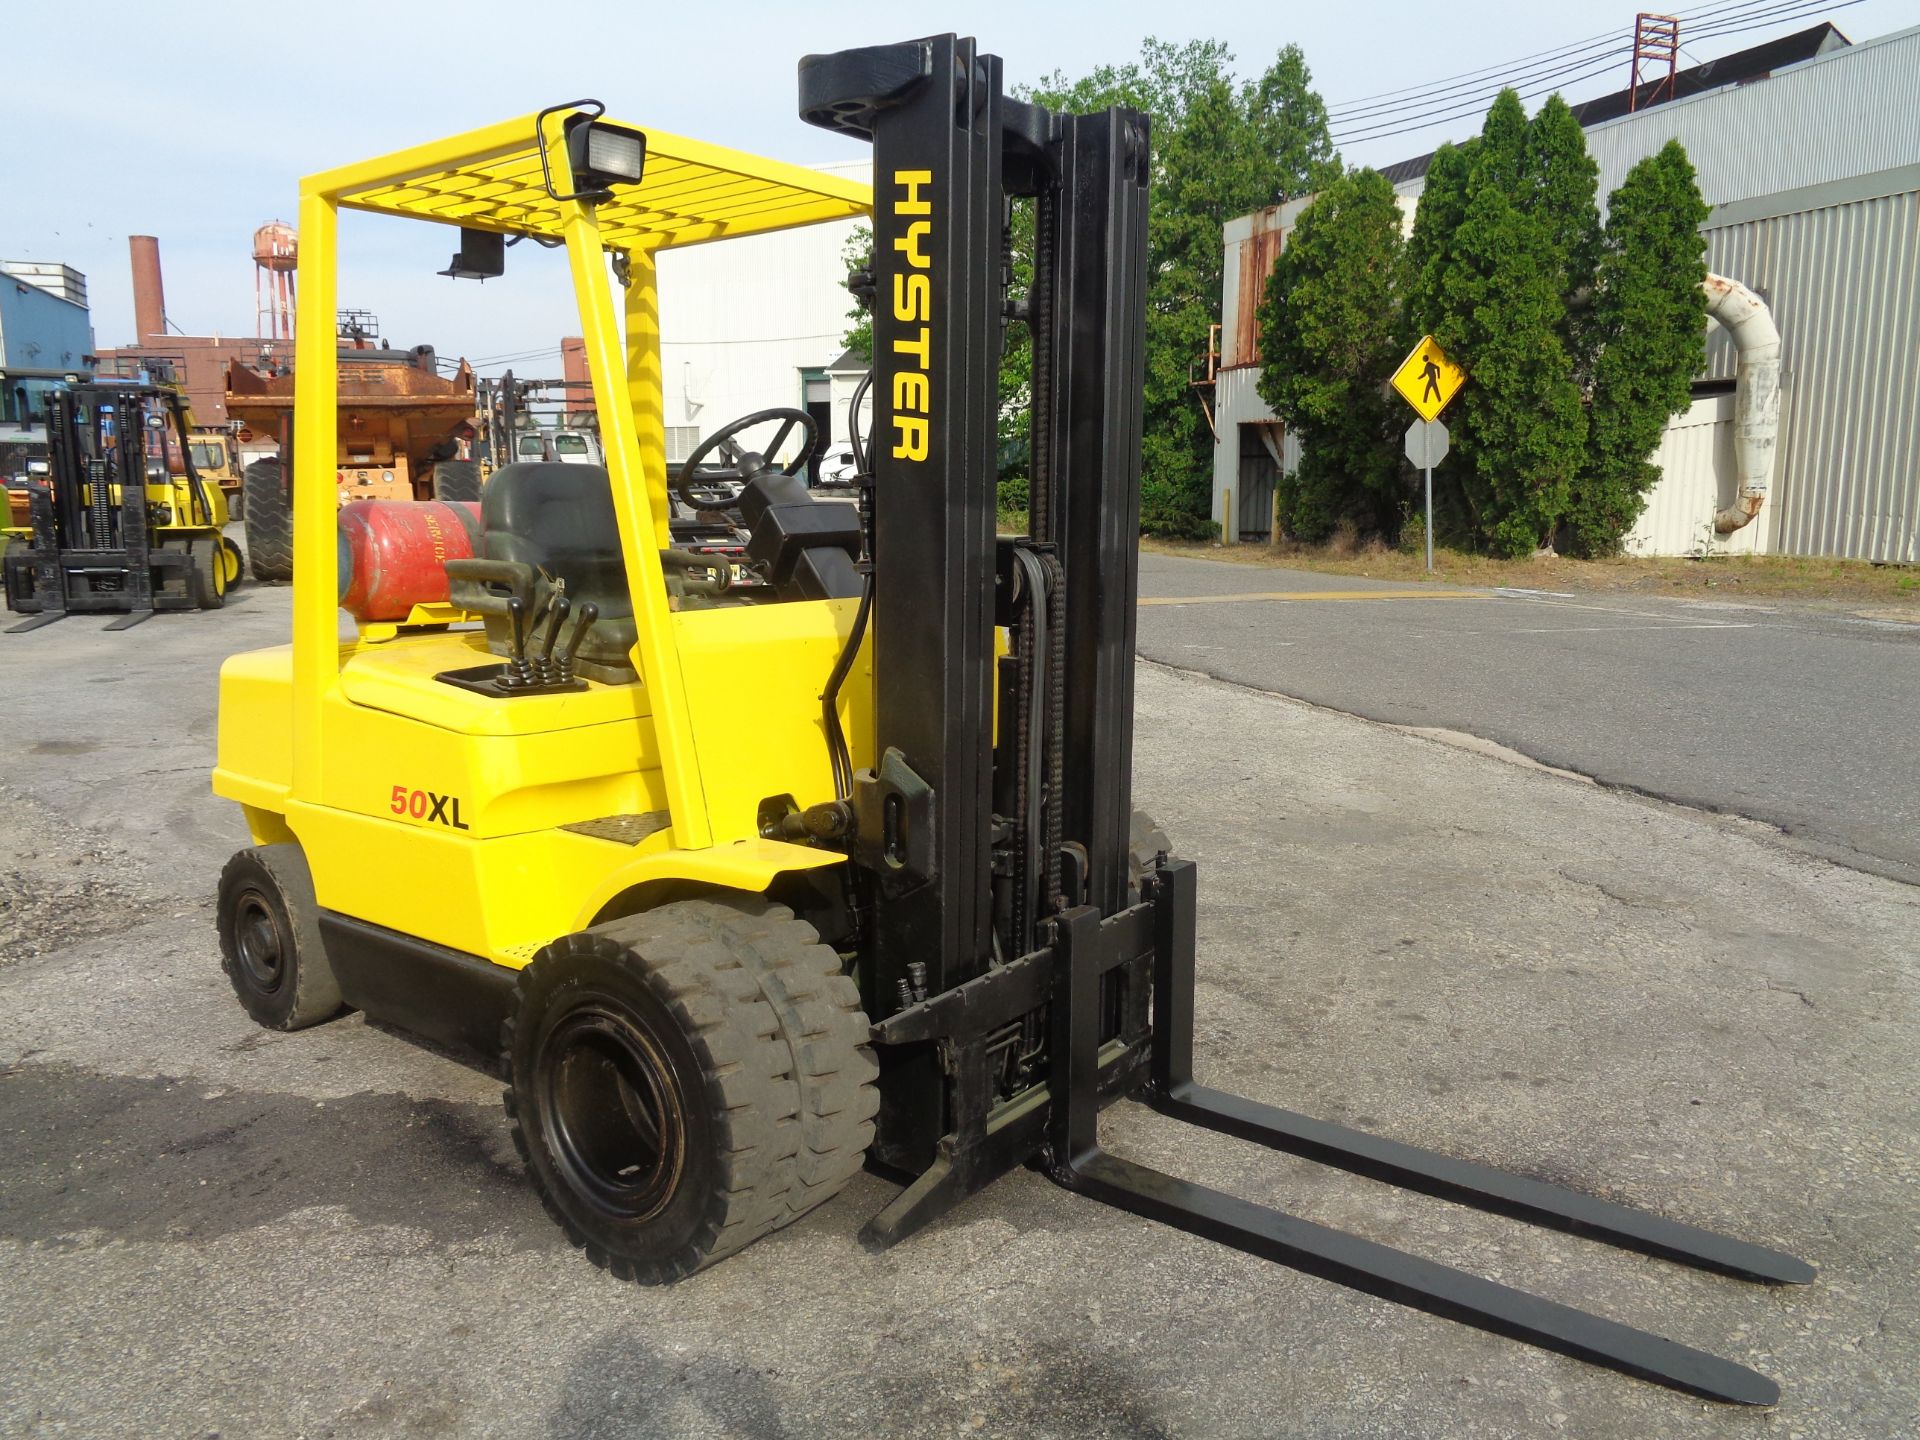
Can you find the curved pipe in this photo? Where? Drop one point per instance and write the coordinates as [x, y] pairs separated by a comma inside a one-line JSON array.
[[1756, 399]]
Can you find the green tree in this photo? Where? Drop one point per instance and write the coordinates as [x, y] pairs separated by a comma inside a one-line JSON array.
[[1328, 334], [1518, 427], [1220, 148], [1443, 205], [857, 255], [1649, 324], [1501, 151], [1561, 180]]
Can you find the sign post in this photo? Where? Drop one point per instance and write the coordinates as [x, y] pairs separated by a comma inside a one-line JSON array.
[[1427, 380], [1427, 445]]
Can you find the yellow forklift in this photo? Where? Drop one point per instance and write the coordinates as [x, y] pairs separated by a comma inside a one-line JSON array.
[[123, 520], [744, 888]]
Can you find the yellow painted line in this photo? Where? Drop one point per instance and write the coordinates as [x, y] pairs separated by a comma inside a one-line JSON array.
[[1316, 595]]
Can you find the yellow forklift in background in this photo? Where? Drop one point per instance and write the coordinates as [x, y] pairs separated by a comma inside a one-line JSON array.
[[745, 887], [123, 520]]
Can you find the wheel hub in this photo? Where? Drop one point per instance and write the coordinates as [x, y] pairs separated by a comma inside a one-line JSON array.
[[615, 1112], [257, 937]]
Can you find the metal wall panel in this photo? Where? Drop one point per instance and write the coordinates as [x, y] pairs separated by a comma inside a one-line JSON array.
[[1844, 286], [1847, 113], [1236, 402], [1698, 476]]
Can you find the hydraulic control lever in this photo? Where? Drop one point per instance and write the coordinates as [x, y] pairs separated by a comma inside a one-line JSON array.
[[519, 672], [589, 612], [558, 607]]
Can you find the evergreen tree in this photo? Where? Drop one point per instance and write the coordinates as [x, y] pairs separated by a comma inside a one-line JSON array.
[[1219, 149], [1443, 204], [1649, 323], [1501, 150], [1328, 333], [1560, 182], [1518, 427], [1290, 120]]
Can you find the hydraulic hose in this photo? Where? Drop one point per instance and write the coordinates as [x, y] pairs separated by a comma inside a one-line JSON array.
[[838, 755]]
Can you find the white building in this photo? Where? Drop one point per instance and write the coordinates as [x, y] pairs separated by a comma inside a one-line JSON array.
[[1812, 167], [754, 323]]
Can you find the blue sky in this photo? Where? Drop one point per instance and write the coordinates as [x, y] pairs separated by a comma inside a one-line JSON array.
[[193, 122]]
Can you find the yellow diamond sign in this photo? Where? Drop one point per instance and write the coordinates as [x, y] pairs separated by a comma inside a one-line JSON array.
[[1427, 379]]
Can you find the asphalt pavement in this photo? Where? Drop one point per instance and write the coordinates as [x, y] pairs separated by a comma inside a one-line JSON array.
[[210, 1229], [1795, 715]]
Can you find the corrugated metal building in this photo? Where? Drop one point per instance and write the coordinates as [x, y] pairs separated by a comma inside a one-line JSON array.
[[46, 334], [1813, 171]]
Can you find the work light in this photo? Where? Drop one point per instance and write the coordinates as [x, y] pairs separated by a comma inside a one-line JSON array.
[[600, 153], [604, 155]]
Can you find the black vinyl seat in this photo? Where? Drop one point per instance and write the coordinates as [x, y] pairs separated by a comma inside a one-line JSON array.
[[559, 520]]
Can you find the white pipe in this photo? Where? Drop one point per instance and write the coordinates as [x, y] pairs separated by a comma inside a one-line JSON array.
[[1756, 394]]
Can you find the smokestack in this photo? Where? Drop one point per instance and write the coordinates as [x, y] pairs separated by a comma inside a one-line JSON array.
[[149, 300], [573, 369]]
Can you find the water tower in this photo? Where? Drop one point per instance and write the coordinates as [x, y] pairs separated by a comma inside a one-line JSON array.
[[275, 254]]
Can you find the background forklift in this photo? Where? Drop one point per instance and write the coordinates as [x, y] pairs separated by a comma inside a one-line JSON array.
[[745, 890], [123, 520]]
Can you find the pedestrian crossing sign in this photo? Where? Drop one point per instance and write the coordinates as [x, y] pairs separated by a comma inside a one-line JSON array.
[[1427, 379]]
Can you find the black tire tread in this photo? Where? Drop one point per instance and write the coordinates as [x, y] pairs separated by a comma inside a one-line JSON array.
[[457, 480], [743, 979], [268, 521], [207, 594], [316, 995]]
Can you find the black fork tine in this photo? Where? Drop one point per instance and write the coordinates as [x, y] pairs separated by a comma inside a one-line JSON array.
[[1409, 1280], [1479, 1186]]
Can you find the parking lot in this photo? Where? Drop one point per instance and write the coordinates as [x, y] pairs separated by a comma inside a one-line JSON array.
[[212, 1229]]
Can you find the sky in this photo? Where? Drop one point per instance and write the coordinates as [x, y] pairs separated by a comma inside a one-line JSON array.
[[193, 122]]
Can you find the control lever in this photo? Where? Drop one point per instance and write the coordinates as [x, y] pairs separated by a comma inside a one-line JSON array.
[[557, 607], [589, 612], [519, 672]]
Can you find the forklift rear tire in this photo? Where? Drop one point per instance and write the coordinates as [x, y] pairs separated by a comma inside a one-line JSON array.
[[268, 509], [457, 480], [270, 940], [209, 574], [686, 1080]]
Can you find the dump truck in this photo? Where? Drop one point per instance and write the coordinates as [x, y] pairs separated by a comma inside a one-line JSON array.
[[403, 431]]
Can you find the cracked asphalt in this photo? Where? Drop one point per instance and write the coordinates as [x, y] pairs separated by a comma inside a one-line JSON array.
[[207, 1229]]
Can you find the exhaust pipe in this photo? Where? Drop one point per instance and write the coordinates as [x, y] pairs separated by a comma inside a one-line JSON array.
[[1756, 400]]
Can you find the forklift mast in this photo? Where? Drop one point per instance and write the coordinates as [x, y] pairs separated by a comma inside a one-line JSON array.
[[1017, 976], [974, 836]]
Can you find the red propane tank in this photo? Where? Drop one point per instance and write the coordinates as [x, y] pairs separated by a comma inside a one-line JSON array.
[[392, 553]]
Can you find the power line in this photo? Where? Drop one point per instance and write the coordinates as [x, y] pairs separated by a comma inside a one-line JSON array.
[[1463, 106], [1351, 108], [1481, 97], [1768, 11]]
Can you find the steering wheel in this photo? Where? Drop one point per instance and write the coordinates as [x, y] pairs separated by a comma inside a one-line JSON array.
[[744, 465]]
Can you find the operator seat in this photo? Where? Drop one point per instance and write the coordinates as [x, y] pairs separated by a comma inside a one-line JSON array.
[[559, 520]]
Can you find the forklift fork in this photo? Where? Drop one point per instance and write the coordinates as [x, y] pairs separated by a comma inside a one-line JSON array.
[[1087, 950]]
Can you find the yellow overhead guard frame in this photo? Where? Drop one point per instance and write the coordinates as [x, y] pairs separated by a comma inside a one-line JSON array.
[[312, 762]]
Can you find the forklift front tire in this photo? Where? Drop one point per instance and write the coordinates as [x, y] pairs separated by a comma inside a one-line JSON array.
[[210, 573], [270, 940], [686, 1080]]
